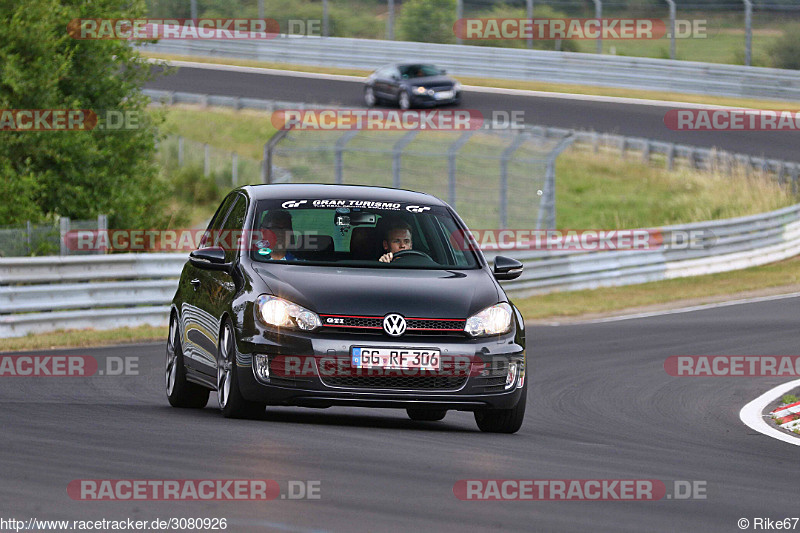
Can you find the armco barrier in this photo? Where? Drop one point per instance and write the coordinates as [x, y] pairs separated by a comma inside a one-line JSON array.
[[711, 79], [42, 294]]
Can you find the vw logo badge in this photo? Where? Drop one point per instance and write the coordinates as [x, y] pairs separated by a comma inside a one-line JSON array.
[[394, 324]]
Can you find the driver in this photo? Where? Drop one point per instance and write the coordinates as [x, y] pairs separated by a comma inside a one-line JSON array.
[[279, 222], [396, 239]]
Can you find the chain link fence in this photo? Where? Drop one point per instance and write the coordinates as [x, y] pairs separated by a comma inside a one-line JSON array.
[[492, 178], [45, 239], [226, 169]]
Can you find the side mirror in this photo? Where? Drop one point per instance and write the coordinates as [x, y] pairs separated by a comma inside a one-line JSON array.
[[212, 258], [506, 268], [443, 71]]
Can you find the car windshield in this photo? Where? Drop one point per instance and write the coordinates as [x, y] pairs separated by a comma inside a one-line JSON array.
[[419, 71], [359, 233]]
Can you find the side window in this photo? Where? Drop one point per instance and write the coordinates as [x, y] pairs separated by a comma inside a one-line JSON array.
[[216, 222], [232, 228]]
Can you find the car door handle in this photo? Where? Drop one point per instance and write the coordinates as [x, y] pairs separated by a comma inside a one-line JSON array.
[[195, 283]]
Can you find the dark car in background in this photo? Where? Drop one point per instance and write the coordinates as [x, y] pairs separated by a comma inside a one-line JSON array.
[[345, 295], [410, 85]]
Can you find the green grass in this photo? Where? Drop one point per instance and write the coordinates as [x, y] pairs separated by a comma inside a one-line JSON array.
[[720, 46], [244, 131], [83, 338], [602, 190], [594, 190], [788, 398]]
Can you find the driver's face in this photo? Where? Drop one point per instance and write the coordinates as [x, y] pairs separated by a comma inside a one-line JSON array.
[[399, 239]]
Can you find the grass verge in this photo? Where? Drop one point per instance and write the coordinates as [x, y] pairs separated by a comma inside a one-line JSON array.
[[507, 84], [74, 338]]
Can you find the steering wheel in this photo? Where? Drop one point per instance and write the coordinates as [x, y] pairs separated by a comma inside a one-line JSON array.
[[408, 253]]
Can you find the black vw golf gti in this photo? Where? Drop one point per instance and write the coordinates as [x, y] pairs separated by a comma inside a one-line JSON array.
[[321, 295]]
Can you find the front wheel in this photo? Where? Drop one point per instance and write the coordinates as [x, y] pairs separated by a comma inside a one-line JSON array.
[[231, 402], [503, 420], [180, 392], [404, 101], [369, 97]]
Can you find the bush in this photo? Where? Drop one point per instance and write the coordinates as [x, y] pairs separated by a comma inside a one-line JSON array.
[[539, 12], [192, 187], [784, 52], [427, 21]]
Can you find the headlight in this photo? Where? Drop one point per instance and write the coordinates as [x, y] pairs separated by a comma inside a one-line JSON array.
[[493, 320], [457, 86], [419, 90], [278, 312]]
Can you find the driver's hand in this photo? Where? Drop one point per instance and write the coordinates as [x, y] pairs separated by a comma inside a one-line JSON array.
[[386, 258]]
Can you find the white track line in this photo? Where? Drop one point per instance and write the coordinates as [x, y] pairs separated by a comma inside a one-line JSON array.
[[751, 413], [470, 88]]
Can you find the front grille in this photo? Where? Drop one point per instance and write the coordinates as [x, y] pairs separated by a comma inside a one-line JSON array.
[[374, 325], [396, 382]]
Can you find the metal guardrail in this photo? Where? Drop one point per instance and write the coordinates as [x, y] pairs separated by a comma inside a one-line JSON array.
[[43, 294], [508, 63], [720, 246]]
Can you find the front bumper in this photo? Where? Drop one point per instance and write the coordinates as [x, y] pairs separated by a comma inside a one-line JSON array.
[[427, 100], [481, 386]]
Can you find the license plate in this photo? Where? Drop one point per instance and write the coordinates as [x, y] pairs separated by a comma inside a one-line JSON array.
[[444, 95], [398, 358]]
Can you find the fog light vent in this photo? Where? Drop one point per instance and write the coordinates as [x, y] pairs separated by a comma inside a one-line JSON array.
[[511, 377], [261, 367]]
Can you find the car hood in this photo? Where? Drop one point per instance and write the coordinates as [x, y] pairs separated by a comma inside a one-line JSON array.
[[432, 81], [379, 291]]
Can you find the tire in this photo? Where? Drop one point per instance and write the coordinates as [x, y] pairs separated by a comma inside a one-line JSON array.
[[404, 100], [231, 402], [503, 420], [426, 415], [180, 392], [369, 97]]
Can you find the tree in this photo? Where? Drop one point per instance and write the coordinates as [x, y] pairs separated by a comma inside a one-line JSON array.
[[427, 21], [78, 174]]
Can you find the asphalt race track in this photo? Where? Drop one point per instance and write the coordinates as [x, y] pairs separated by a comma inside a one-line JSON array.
[[600, 406], [636, 120]]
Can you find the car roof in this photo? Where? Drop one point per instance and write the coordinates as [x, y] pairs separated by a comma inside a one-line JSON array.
[[318, 191], [407, 63]]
